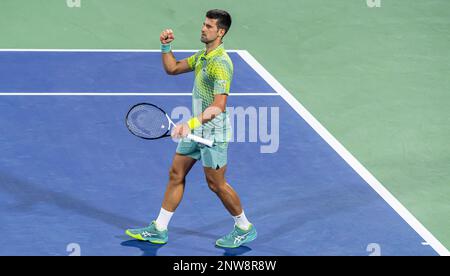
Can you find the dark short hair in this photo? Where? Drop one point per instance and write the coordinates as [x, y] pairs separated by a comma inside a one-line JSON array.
[[223, 18]]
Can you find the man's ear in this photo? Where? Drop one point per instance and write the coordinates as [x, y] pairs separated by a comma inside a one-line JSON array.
[[221, 32]]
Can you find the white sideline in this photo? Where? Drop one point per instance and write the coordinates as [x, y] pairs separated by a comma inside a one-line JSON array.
[[346, 155]]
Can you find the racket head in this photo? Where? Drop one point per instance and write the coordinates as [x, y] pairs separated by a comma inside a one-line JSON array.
[[147, 121]]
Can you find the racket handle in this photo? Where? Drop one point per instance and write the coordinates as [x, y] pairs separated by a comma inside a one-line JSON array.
[[200, 140]]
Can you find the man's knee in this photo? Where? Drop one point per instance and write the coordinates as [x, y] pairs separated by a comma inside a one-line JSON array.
[[176, 176], [215, 185]]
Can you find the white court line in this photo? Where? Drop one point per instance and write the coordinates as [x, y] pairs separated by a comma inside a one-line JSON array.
[[107, 93], [121, 94], [346, 155], [102, 50]]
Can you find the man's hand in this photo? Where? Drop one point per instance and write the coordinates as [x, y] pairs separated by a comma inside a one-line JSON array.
[[181, 130], [166, 36]]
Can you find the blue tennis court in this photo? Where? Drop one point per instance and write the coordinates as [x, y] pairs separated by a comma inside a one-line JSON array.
[[71, 173]]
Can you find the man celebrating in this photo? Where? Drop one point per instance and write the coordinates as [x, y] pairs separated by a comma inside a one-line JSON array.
[[213, 73]]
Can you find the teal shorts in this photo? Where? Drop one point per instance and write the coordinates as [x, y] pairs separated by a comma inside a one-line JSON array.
[[214, 157]]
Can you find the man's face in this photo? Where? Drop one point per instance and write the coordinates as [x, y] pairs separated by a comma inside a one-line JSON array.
[[210, 32]]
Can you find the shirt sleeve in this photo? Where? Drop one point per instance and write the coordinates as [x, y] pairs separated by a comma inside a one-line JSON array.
[[192, 60], [222, 73]]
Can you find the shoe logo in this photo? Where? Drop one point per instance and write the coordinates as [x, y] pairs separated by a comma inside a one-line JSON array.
[[147, 234], [238, 239]]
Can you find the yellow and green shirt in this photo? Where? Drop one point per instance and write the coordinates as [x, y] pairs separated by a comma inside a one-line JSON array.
[[213, 74]]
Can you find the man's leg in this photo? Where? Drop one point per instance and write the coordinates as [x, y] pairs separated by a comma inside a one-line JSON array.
[[157, 232], [186, 155], [243, 231], [181, 165], [226, 193]]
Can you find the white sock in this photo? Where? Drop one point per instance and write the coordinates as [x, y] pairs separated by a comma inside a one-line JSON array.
[[163, 219], [241, 221]]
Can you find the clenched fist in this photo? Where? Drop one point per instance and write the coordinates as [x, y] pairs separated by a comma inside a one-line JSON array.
[[180, 131], [166, 36]]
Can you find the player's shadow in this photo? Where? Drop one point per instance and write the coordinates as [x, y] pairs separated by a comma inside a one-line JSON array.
[[147, 248], [235, 251], [29, 194]]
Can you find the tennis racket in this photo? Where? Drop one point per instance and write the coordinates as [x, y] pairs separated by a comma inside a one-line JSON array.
[[150, 122]]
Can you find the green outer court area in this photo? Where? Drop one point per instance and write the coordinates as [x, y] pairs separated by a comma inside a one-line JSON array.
[[376, 78]]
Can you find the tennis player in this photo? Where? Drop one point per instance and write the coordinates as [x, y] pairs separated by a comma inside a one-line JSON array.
[[213, 73]]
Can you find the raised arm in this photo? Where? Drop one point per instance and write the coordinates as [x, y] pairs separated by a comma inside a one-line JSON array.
[[171, 65]]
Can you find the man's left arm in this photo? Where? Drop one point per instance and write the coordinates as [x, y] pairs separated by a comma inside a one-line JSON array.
[[216, 108]]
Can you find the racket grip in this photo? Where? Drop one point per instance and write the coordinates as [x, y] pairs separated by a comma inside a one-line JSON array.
[[200, 140]]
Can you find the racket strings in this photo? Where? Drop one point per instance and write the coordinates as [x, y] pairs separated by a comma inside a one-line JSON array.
[[148, 121]]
